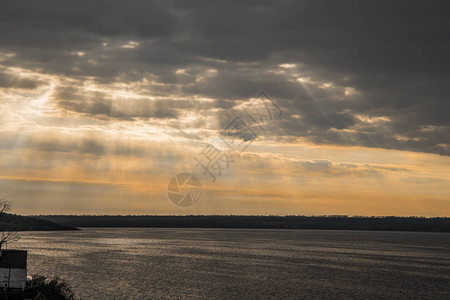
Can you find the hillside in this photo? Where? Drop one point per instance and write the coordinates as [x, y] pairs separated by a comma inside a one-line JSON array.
[[270, 222], [22, 223]]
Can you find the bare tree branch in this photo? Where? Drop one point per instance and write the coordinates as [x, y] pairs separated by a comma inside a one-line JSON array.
[[6, 236], [5, 204]]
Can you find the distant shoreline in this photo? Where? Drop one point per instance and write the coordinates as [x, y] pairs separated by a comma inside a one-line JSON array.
[[12, 222], [436, 224]]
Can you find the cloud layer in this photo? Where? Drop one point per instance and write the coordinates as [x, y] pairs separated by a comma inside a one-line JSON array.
[[156, 78], [341, 67]]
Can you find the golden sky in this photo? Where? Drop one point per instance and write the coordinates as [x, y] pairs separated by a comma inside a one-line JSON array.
[[98, 114]]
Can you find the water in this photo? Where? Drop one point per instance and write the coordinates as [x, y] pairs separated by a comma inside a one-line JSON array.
[[245, 264]]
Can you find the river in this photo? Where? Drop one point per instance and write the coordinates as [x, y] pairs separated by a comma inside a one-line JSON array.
[[159, 263]]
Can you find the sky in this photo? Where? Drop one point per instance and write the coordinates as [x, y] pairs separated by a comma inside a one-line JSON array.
[[102, 103]]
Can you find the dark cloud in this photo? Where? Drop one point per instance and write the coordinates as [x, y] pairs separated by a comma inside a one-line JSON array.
[[278, 165], [13, 81], [393, 53], [102, 105]]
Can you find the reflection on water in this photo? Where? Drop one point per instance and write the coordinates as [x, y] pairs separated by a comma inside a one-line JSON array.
[[229, 263]]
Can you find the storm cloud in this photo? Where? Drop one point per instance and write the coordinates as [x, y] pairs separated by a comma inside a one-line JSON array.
[[372, 74]]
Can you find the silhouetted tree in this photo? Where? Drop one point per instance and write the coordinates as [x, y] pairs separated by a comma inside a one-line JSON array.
[[10, 235]]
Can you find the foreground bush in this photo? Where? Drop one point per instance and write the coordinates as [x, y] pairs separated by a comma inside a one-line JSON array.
[[51, 288]]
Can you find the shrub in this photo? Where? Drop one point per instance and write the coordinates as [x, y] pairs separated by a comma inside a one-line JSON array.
[[51, 287]]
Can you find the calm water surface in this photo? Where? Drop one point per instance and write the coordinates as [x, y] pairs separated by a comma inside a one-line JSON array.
[[243, 264]]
